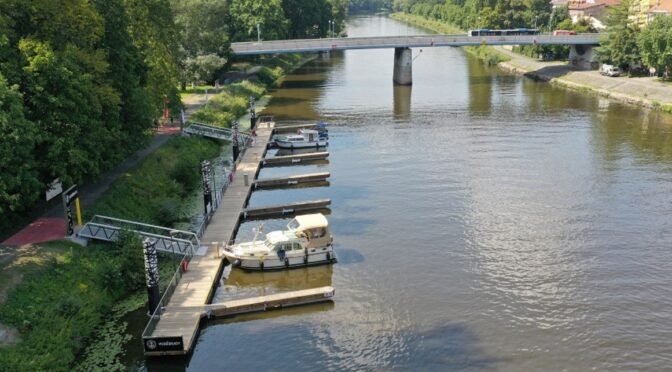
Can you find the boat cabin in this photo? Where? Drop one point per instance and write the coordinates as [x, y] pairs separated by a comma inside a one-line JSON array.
[[309, 135], [313, 227]]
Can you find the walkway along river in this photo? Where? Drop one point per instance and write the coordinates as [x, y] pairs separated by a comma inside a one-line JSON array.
[[482, 221]]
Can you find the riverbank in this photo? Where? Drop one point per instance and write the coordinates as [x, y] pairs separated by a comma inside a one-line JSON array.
[[67, 310], [488, 55], [643, 91]]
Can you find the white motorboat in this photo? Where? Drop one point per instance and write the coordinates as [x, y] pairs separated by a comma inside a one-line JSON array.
[[306, 241], [304, 138]]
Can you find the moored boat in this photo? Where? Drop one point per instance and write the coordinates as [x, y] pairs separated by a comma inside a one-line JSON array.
[[304, 138], [306, 241]]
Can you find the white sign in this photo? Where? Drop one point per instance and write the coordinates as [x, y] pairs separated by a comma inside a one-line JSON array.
[[55, 188]]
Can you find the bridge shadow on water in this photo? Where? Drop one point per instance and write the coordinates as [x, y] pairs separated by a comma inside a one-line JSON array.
[[549, 72]]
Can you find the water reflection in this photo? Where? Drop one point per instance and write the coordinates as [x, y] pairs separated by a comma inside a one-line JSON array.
[[241, 284], [402, 101]]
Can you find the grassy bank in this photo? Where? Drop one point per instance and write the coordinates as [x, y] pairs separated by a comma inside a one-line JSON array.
[[233, 99], [483, 52], [73, 298], [69, 303], [154, 192], [66, 292]]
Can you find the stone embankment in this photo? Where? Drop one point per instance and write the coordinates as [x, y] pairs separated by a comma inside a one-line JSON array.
[[644, 91]]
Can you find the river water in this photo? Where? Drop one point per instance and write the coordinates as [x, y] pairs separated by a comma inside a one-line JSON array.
[[483, 221]]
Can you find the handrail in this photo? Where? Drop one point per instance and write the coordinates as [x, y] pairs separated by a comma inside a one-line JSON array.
[[171, 232], [217, 128], [156, 315]]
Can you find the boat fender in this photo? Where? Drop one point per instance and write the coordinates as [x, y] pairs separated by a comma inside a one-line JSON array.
[[305, 260], [328, 256], [261, 265], [286, 262]]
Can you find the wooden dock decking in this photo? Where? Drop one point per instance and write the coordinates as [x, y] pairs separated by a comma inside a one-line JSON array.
[[292, 180], [295, 159], [196, 287]]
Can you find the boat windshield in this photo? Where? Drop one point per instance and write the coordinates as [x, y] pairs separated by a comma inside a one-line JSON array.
[[293, 224], [268, 244]]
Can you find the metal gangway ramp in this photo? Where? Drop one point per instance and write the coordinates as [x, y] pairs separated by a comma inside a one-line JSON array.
[[167, 240], [212, 131]]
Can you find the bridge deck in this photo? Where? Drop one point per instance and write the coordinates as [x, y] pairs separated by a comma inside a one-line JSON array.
[[196, 286], [411, 41]]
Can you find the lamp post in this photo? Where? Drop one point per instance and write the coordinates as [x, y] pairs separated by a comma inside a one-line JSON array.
[[258, 34]]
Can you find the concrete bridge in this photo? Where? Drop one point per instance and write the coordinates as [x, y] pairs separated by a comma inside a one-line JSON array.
[[581, 46]]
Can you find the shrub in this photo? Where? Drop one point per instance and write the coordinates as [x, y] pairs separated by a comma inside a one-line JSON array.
[[131, 260]]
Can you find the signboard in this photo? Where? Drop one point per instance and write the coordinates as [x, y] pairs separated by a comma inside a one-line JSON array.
[[55, 188], [159, 344], [70, 195]]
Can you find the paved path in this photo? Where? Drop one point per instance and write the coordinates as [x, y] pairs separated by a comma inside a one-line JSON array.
[[645, 91], [47, 227]]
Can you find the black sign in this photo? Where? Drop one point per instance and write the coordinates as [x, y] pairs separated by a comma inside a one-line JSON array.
[[158, 344]]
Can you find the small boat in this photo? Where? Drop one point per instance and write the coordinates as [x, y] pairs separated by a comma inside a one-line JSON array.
[[304, 138], [306, 241]]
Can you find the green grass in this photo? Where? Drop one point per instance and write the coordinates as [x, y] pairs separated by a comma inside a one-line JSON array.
[[153, 192], [490, 56], [233, 99], [230, 104], [197, 89], [436, 26], [66, 293]]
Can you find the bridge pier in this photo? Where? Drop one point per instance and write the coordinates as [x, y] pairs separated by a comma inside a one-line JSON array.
[[583, 57], [403, 66]]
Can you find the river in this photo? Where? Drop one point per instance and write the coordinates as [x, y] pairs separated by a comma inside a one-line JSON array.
[[483, 221]]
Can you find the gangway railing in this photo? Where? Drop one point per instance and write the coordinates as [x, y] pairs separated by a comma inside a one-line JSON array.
[[167, 240], [211, 131]]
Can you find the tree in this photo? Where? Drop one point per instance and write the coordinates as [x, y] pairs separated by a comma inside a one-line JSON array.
[[19, 185], [307, 18], [152, 28], [655, 42], [203, 68], [129, 120], [204, 32], [247, 14], [620, 47]]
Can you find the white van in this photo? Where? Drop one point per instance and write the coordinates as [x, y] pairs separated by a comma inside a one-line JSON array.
[[610, 70]]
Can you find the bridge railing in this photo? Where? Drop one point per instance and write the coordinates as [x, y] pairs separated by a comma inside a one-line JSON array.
[[310, 45]]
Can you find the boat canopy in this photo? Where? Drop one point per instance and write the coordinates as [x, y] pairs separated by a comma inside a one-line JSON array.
[[308, 221]]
